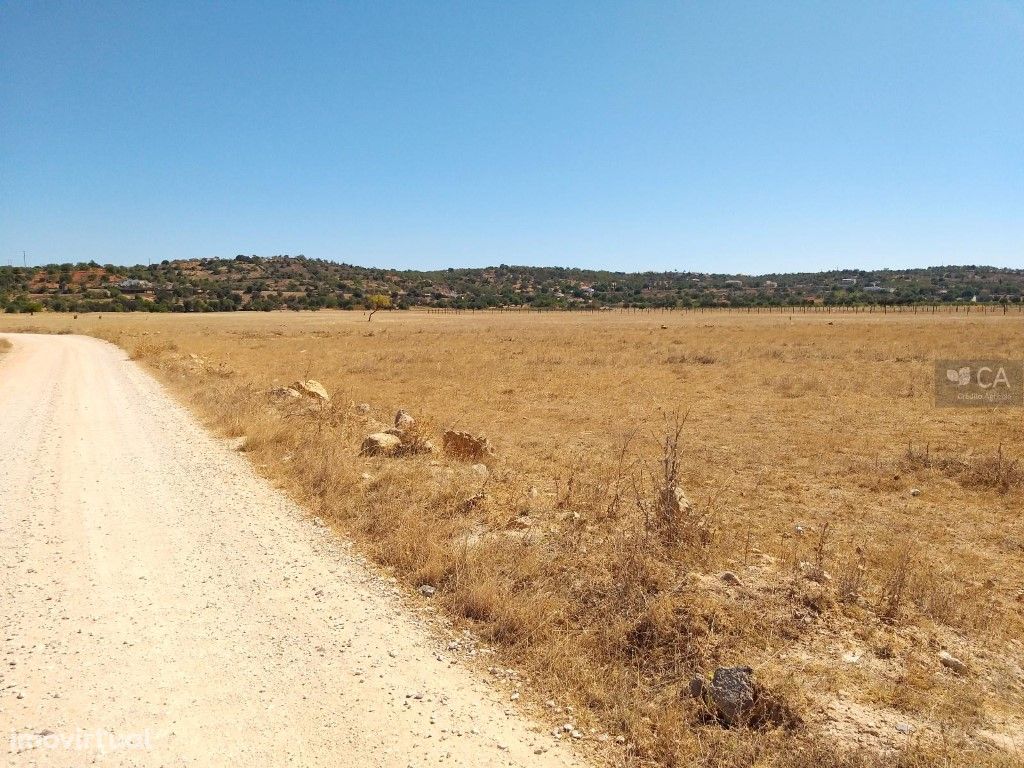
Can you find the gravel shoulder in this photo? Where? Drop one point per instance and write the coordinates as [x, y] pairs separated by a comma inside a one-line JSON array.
[[154, 588]]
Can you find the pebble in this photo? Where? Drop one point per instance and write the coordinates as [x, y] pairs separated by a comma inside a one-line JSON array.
[[952, 662], [731, 578]]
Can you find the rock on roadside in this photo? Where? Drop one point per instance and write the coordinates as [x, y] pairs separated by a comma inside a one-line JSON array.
[[733, 692], [465, 446], [949, 661], [381, 444], [404, 421], [312, 388]]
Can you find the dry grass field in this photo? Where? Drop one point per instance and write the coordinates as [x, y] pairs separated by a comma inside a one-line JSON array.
[[861, 530]]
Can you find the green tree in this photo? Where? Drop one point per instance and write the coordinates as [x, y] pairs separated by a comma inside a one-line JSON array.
[[377, 302]]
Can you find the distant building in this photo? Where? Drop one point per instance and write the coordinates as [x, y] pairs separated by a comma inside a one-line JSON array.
[[770, 284], [848, 282]]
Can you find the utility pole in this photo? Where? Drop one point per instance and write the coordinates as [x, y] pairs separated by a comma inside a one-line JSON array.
[[24, 260]]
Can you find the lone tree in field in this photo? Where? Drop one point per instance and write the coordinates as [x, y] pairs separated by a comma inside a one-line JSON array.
[[377, 302]]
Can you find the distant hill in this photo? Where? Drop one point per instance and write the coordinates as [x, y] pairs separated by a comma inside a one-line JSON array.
[[287, 282]]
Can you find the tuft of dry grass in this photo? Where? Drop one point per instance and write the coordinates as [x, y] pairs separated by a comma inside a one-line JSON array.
[[991, 472], [593, 554]]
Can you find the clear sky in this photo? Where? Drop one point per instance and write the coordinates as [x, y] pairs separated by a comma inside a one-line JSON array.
[[725, 136]]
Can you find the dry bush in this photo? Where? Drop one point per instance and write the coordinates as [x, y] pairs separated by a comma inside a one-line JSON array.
[[993, 471], [578, 561]]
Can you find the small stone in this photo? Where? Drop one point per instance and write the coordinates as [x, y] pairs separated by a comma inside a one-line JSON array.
[[698, 687], [733, 692], [915, 491], [312, 388], [675, 501], [465, 446], [952, 662], [362, 407], [404, 421], [481, 470], [427, 591], [730, 578], [904, 727], [380, 444]]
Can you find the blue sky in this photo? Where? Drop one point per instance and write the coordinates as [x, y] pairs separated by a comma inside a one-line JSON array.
[[747, 136]]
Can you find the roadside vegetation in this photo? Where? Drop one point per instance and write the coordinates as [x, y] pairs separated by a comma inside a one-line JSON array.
[[665, 499]]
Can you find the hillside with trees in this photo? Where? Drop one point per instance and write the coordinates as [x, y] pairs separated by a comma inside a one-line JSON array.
[[257, 283]]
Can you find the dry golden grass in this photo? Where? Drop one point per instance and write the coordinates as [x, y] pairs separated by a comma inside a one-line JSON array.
[[800, 442]]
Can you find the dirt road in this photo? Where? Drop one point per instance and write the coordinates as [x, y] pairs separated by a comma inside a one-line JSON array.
[[153, 589]]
